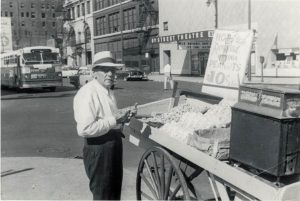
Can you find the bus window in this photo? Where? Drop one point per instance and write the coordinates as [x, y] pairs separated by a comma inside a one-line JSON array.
[[50, 58], [32, 58]]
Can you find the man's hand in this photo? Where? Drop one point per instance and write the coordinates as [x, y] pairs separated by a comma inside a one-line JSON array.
[[125, 115], [123, 118], [133, 110]]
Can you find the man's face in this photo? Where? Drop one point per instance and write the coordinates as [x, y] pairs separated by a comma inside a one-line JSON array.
[[105, 76]]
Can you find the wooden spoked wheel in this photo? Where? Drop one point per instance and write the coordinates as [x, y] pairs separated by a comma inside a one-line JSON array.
[[159, 177]]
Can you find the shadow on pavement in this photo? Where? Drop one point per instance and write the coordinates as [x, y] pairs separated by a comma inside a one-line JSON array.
[[10, 172]]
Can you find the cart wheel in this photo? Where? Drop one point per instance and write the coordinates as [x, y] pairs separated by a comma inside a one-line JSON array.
[[159, 177]]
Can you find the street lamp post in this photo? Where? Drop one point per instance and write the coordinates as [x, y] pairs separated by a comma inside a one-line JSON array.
[[215, 2]]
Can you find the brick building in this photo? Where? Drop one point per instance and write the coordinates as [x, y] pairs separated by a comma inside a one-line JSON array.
[[34, 22]]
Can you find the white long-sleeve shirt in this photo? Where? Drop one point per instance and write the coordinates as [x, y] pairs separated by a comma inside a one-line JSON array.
[[167, 70], [94, 110]]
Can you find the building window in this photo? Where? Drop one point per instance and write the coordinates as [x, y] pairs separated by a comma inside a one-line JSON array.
[[100, 26], [53, 15], [83, 9], [48, 6], [88, 7], [129, 16], [32, 5], [11, 4], [27, 14], [53, 6], [43, 23], [99, 4], [6, 14], [42, 6], [22, 14], [87, 33], [43, 15], [12, 23], [166, 28], [113, 22], [32, 14], [23, 24], [53, 24], [73, 13], [11, 14], [112, 2], [79, 37], [22, 5], [78, 10]]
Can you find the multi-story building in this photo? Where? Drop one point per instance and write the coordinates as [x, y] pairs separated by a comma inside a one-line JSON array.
[[33, 22], [123, 27], [276, 25]]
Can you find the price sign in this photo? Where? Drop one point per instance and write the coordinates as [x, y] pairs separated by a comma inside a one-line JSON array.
[[228, 57]]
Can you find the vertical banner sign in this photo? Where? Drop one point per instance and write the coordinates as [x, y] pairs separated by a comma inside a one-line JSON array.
[[6, 34], [227, 62]]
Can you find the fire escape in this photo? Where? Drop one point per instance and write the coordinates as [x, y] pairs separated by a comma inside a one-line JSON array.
[[62, 35], [148, 17]]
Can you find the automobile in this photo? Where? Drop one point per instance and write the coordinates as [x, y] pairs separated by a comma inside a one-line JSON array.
[[68, 71], [135, 75], [83, 76]]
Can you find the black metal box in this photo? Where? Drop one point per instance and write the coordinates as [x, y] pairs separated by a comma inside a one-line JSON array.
[[265, 130]]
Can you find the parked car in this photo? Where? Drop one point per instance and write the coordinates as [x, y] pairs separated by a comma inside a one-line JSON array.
[[83, 76], [135, 75], [68, 71]]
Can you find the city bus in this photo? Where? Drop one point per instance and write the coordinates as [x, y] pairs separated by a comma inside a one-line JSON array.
[[32, 67]]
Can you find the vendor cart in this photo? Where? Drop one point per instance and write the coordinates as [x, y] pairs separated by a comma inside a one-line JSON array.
[[169, 168]]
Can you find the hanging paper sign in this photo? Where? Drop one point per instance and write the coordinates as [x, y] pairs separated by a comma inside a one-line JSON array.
[[227, 62], [6, 35]]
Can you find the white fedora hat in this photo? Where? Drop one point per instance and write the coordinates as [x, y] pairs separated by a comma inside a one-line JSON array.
[[105, 59]]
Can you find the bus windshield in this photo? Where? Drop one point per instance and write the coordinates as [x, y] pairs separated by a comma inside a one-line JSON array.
[[41, 58], [32, 58], [50, 58]]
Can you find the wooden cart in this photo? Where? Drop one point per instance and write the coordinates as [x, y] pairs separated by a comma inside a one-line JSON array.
[[168, 170]]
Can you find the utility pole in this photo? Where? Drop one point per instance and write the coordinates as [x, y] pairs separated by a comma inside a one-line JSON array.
[[249, 27], [215, 2]]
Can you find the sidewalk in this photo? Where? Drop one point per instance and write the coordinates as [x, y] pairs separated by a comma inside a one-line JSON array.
[[41, 178]]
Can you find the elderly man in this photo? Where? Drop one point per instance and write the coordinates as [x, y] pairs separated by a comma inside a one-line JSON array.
[[98, 120]]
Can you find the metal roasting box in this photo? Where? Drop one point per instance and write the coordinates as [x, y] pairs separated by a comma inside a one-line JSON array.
[[265, 130]]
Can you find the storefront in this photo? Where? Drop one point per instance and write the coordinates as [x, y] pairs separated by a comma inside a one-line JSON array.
[[187, 52]]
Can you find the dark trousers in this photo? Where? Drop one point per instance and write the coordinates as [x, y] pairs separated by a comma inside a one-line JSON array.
[[103, 162]]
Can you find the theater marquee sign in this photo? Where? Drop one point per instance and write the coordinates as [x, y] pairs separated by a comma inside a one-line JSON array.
[[183, 36]]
